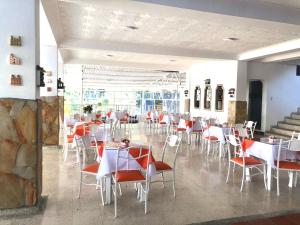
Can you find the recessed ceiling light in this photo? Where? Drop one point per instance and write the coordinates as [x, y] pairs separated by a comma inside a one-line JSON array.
[[230, 39], [132, 27]]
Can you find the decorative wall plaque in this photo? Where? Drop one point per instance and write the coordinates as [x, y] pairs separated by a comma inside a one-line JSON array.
[[49, 89], [15, 41], [14, 60], [219, 98], [16, 80]]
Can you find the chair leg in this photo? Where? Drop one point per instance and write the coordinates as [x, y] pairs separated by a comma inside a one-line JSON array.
[[265, 177], [80, 184], [146, 197], [163, 179], [115, 200], [243, 178], [208, 148], [174, 184], [228, 172], [278, 191], [101, 189]]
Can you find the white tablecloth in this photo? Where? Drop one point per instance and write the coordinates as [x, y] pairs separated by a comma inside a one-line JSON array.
[[102, 134], [268, 152], [218, 132], [109, 160]]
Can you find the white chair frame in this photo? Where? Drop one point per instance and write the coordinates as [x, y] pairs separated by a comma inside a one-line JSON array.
[[143, 185], [172, 142], [235, 142], [291, 145]]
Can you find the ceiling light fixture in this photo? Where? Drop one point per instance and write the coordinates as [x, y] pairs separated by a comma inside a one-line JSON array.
[[132, 27], [109, 55], [230, 39], [172, 60]]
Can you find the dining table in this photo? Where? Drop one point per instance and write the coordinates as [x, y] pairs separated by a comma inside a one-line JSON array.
[[108, 154], [102, 133], [267, 150], [218, 132]]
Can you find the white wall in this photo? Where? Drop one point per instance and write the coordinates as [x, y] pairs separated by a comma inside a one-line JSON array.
[[281, 90], [48, 55], [219, 72], [49, 61], [19, 18]]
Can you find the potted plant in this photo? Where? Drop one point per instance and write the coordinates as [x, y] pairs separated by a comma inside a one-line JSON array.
[[88, 109]]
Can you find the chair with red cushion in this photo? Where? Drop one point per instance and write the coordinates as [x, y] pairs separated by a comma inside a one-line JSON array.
[[172, 143], [82, 143], [293, 146], [69, 139], [208, 141], [243, 161], [139, 177]]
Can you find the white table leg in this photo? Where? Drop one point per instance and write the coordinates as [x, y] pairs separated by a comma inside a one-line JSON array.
[[108, 191], [269, 178], [291, 179], [248, 177]]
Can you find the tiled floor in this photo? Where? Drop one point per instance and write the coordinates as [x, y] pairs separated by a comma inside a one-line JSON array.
[[202, 194]]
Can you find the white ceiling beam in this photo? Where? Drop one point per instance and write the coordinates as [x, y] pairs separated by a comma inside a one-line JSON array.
[[240, 8], [283, 47], [282, 57], [125, 64], [114, 46]]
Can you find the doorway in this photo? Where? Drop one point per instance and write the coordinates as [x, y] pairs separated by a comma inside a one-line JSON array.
[[255, 102]]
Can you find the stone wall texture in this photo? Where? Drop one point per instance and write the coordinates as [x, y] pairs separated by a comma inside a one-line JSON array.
[[50, 120], [19, 153], [237, 112]]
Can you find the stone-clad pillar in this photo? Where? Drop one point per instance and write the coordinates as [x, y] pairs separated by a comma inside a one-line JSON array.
[[237, 112], [20, 153], [50, 120]]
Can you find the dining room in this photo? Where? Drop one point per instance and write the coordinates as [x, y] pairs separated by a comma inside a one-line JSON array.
[[149, 112]]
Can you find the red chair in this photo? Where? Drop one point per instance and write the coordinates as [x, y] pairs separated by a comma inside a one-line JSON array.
[[124, 157], [243, 161], [87, 170], [69, 140], [290, 166], [172, 142]]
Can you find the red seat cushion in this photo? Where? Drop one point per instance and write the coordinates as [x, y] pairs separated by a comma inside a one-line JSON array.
[[248, 161], [288, 165], [211, 138], [159, 165], [181, 129], [92, 168], [93, 144], [162, 122], [197, 131], [129, 175], [70, 140]]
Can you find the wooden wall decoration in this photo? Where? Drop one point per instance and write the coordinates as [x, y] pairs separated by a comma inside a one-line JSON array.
[[15, 41], [14, 60], [16, 80]]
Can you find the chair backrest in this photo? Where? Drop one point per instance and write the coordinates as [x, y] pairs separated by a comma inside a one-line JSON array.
[[290, 145], [82, 144], [182, 124], [204, 124], [93, 129], [242, 131], [172, 143], [295, 136], [129, 155], [234, 141], [197, 124]]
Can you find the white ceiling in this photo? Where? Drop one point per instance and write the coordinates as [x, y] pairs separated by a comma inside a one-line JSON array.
[[173, 34]]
